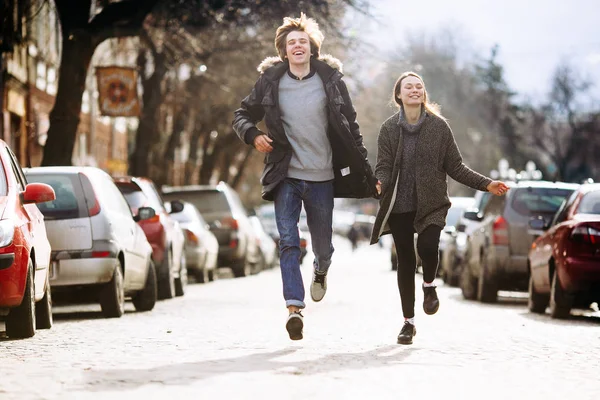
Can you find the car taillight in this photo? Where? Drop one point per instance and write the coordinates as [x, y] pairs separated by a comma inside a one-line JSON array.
[[191, 236], [230, 223], [500, 232], [586, 234], [90, 196], [233, 243], [100, 254]]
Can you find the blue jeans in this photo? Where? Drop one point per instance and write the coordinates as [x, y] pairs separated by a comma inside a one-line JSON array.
[[318, 203]]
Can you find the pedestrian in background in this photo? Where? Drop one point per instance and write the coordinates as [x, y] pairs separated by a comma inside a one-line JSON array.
[[314, 151], [416, 150]]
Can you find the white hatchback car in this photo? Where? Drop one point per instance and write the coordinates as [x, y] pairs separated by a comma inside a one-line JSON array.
[[96, 243]]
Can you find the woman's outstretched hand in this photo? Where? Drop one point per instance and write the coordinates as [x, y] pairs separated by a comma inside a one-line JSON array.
[[497, 187]]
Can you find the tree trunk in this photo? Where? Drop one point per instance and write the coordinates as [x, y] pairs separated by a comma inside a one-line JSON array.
[[191, 164], [237, 179], [148, 128], [77, 51]]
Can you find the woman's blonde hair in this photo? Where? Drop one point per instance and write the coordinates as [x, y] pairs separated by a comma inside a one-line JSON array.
[[302, 24], [432, 108]]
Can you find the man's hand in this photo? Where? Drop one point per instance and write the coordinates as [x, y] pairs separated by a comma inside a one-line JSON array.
[[378, 186], [497, 187], [262, 143]]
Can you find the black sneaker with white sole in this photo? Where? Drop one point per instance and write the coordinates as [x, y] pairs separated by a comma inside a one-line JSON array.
[[406, 333], [294, 325], [431, 303]]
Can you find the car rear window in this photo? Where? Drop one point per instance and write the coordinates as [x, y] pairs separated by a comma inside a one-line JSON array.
[[133, 194], [70, 200], [206, 201], [590, 203], [531, 201]]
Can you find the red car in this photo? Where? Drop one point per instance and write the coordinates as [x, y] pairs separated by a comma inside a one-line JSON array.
[[163, 233], [564, 262], [25, 300]]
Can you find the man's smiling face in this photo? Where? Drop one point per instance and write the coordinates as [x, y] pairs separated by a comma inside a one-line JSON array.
[[297, 47]]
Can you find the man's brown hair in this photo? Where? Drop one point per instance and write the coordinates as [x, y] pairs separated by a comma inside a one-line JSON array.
[[302, 24]]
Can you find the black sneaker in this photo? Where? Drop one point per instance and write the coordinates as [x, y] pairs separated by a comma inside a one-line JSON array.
[[294, 325], [407, 333], [431, 303], [318, 287]]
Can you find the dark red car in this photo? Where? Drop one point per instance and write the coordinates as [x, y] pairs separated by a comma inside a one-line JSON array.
[[564, 261], [163, 233], [25, 300]]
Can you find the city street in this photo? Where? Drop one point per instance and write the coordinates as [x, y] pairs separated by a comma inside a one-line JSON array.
[[227, 340]]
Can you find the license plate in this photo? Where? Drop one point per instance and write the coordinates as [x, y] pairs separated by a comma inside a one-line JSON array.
[[53, 269]]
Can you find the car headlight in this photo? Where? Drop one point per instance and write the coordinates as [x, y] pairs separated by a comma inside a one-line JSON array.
[[7, 232]]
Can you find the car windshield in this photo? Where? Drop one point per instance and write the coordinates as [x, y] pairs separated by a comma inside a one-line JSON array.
[[454, 214], [530, 201], [3, 184], [590, 203]]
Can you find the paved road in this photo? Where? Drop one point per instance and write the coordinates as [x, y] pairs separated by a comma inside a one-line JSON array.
[[227, 340]]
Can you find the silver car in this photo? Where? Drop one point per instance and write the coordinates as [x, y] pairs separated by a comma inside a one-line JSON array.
[[201, 246], [500, 244], [97, 246]]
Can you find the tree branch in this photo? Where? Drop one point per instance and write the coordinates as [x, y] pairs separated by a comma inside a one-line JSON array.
[[121, 19]]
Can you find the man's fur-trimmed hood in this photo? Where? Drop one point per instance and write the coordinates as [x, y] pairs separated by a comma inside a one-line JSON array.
[[326, 58]]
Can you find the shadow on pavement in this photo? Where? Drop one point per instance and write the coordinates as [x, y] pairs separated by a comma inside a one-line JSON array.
[[578, 317], [70, 316], [186, 373], [503, 300]]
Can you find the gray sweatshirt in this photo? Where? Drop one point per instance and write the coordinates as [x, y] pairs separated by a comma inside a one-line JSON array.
[[303, 106]]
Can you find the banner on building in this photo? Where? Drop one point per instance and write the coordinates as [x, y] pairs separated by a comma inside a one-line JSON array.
[[117, 91]]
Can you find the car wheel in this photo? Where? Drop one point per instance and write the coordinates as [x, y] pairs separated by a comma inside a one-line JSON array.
[[20, 322], [487, 287], [211, 275], [201, 275], [166, 281], [112, 295], [560, 301], [181, 282], [145, 299], [537, 302], [43, 309], [241, 268], [468, 284], [453, 274]]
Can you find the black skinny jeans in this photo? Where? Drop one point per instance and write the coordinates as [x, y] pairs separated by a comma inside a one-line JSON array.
[[402, 227]]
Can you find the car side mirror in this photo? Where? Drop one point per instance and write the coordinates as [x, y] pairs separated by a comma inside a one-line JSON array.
[[176, 207], [144, 213], [461, 228], [473, 216], [37, 193]]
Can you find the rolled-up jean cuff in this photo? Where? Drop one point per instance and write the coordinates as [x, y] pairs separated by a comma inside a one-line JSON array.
[[297, 303]]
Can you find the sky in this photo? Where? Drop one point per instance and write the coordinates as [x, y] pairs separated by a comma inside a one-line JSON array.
[[534, 35]]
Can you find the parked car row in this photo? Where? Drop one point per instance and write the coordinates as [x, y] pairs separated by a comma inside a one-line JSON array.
[[244, 245], [542, 237]]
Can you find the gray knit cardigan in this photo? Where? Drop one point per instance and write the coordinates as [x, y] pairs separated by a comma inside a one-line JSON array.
[[437, 155]]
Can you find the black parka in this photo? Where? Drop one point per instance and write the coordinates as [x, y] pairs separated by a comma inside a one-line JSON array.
[[353, 175]]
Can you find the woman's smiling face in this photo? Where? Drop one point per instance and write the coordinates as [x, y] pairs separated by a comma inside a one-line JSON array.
[[412, 91]]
